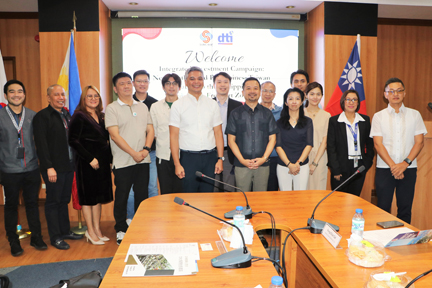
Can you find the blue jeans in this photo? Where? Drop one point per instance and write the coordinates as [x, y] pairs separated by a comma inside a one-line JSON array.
[[152, 187]]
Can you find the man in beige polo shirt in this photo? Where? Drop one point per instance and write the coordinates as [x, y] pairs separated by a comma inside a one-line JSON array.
[[131, 135]]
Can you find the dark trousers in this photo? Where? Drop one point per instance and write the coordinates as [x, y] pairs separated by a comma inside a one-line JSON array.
[[355, 185], [273, 180], [386, 184], [136, 175], [58, 196], [168, 180], [227, 176], [29, 182], [203, 162]]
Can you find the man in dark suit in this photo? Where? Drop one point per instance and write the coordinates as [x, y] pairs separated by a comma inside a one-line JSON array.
[[222, 84], [349, 145]]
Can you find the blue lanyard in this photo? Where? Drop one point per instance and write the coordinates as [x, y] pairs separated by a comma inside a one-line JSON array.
[[354, 134]]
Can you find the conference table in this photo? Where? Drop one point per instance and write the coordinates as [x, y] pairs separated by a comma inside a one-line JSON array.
[[310, 259]]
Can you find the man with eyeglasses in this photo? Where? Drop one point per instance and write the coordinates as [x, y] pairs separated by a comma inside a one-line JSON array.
[[398, 134], [268, 93], [222, 85], [196, 131], [160, 113]]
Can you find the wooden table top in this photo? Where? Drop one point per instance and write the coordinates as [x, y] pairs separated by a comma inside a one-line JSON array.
[[160, 220]]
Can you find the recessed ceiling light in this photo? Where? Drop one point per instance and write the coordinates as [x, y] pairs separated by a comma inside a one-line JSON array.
[[213, 4], [290, 7], [133, 3]]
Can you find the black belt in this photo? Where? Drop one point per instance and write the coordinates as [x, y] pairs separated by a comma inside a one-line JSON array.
[[199, 152]]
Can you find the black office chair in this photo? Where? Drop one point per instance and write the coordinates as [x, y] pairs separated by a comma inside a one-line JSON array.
[[4, 281]]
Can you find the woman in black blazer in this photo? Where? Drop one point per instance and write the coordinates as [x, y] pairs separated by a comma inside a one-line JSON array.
[[349, 145]]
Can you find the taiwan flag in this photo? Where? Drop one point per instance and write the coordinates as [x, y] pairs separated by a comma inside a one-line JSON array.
[[351, 79]]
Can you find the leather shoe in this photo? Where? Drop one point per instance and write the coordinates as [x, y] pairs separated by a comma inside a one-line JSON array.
[[16, 249], [38, 243], [72, 236], [60, 244]]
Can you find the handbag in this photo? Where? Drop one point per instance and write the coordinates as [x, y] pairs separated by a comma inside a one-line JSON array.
[[87, 280]]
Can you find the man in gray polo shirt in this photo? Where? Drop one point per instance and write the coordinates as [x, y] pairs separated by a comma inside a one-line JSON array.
[[131, 135]]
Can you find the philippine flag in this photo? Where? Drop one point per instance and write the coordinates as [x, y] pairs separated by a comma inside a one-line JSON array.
[[351, 79], [69, 77], [3, 80]]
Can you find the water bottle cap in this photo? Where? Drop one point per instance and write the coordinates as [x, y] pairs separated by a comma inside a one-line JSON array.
[[277, 280], [239, 208], [359, 211]]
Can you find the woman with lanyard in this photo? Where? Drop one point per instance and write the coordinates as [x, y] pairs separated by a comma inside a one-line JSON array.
[[349, 145]]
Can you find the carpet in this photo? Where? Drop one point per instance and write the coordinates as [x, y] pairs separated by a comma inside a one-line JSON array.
[[47, 275]]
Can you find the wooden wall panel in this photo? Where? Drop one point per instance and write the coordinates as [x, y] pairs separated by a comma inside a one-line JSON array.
[[314, 45], [17, 39], [105, 54], [404, 51]]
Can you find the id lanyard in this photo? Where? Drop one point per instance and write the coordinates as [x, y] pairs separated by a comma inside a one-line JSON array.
[[354, 134], [18, 127]]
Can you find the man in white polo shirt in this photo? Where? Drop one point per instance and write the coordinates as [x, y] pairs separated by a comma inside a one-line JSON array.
[[196, 130], [398, 134], [131, 135]]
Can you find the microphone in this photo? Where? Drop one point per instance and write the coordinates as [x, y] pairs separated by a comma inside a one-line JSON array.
[[238, 258], [247, 211], [430, 105], [316, 226]]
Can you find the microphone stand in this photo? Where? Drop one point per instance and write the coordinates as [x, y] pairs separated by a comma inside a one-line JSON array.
[[237, 258], [247, 210], [316, 226]]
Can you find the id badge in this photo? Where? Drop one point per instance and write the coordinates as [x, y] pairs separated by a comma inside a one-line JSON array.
[[355, 162], [20, 152]]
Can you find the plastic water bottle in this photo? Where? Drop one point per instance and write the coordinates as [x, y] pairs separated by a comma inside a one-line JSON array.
[[239, 218], [358, 223], [276, 282]]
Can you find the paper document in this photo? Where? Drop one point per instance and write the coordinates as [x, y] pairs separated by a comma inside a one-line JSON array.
[[167, 259], [398, 236]]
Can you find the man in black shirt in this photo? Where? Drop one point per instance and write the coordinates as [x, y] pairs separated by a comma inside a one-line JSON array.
[[251, 133], [50, 128]]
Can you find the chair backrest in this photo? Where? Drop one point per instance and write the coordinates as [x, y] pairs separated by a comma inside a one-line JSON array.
[[4, 281]]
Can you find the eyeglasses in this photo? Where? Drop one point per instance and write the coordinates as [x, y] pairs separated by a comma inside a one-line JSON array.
[[395, 92], [351, 101], [175, 84], [143, 82], [268, 91], [92, 96]]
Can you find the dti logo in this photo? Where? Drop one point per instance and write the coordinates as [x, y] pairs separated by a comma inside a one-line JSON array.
[[206, 36], [226, 38]]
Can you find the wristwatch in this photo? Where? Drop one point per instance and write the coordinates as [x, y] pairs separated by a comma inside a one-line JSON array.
[[222, 158], [408, 161], [147, 148]]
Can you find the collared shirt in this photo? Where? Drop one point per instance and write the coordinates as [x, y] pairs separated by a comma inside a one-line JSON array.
[[196, 120], [398, 131], [252, 129], [132, 123], [160, 114], [350, 137], [224, 115], [149, 101]]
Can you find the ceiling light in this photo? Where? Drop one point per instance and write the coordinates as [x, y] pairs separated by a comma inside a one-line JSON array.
[[290, 7], [133, 3], [213, 4]]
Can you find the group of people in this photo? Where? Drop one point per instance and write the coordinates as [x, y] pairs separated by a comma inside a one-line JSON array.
[[184, 142]]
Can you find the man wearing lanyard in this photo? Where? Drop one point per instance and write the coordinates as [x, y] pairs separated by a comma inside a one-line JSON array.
[[19, 166], [50, 127], [398, 135]]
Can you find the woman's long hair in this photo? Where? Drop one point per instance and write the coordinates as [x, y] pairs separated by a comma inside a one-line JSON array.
[[82, 106], [285, 117]]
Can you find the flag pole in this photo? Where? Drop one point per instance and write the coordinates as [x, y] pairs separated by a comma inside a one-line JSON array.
[[358, 44], [80, 229]]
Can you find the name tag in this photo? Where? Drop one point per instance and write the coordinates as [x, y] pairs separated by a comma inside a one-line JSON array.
[[332, 236]]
